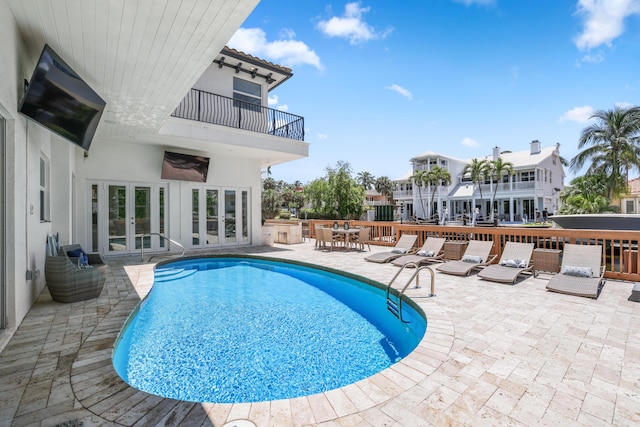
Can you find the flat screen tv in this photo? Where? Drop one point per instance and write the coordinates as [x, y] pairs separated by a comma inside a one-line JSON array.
[[58, 99], [184, 167]]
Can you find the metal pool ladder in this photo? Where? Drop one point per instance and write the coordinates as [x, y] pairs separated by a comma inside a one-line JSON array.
[[162, 236], [395, 307]]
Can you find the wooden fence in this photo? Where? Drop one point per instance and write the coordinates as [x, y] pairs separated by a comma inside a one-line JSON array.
[[619, 248]]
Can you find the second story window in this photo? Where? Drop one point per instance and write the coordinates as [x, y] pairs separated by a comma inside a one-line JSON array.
[[248, 92]]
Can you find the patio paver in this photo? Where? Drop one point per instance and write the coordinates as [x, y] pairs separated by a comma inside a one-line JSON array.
[[493, 354]]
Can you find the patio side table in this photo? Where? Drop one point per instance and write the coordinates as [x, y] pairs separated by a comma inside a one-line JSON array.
[[546, 260], [454, 250]]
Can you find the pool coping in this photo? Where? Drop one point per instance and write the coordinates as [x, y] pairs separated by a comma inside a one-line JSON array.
[[96, 393]]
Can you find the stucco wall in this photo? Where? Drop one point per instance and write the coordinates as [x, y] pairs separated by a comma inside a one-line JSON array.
[[138, 163], [26, 142]]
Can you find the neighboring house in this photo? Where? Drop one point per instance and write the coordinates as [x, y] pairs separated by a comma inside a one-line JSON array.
[[630, 202], [170, 86], [373, 198], [403, 196], [536, 182]]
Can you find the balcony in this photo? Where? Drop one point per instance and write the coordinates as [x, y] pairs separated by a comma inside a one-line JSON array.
[[221, 110]]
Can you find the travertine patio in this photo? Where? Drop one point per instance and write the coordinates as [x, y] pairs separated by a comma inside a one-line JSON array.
[[493, 354]]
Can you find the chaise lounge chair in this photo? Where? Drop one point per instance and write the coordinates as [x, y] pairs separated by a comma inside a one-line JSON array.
[[581, 273], [402, 247], [515, 260], [431, 251], [477, 255]]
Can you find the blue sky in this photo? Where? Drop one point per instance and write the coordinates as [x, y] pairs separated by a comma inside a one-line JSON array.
[[379, 82]]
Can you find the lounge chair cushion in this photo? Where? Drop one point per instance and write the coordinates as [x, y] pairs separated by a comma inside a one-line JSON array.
[[577, 271], [75, 253], [80, 257], [472, 258], [516, 263], [398, 251], [426, 253]]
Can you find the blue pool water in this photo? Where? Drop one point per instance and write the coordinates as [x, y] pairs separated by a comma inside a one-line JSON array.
[[234, 330]]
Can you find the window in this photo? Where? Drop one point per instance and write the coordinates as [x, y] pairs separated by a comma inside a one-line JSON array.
[[630, 206], [527, 176], [44, 189], [247, 95]]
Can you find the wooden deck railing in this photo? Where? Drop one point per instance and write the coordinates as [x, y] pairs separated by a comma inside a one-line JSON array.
[[619, 248]]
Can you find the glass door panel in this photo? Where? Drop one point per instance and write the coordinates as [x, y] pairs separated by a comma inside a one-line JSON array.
[[195, 221], [245, 217], [230, 216], [117, 234], [161, 226], [94, 218], [213, 235], [142, 216]]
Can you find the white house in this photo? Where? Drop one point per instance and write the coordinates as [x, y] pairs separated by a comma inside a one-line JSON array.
[[170, 86], [537, 179]]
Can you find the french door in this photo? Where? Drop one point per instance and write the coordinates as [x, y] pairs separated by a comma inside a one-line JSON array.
[[127, 217], [220, 216]]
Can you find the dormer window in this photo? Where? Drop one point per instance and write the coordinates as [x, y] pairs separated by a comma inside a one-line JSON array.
[[248, 92]]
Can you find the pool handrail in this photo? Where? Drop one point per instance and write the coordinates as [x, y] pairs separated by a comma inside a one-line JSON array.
[[396, 307], [142, 236]]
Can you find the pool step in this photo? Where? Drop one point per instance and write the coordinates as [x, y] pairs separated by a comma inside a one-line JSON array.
[[170, 274]]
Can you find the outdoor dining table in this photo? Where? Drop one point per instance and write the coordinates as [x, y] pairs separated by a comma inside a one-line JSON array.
[[345, 235]]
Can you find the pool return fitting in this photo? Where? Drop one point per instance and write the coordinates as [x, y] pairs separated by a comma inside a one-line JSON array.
[[395, 307]]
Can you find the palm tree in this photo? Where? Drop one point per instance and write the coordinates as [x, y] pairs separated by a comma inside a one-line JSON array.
[[385, 186], [613, 146], [365, 179], [436, 177], [477, 171], [496, 169], [585, 194], [420, 179]]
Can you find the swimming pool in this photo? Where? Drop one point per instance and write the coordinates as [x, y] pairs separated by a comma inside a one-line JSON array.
[[249, 329]]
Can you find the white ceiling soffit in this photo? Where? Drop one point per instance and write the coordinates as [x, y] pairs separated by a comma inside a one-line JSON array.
[[142, 57]]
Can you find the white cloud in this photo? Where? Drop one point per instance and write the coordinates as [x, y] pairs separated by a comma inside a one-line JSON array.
[[603, 20], [594, 58], [272, 100], [322, 136], [286, 51], [283, 107], [577, 114], [476, 2], [352, 26], [402, 91], [469, 142]]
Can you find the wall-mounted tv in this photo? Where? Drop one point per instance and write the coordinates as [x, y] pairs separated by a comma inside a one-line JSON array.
[[58, 99], [184, 167]]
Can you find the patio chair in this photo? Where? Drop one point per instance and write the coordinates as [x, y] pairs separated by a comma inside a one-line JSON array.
[[318, 233], [581, 273], [403, 247], [362, 238], [515, 261], [430, 252], [69, 279], [329, 240], [477, 255]]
